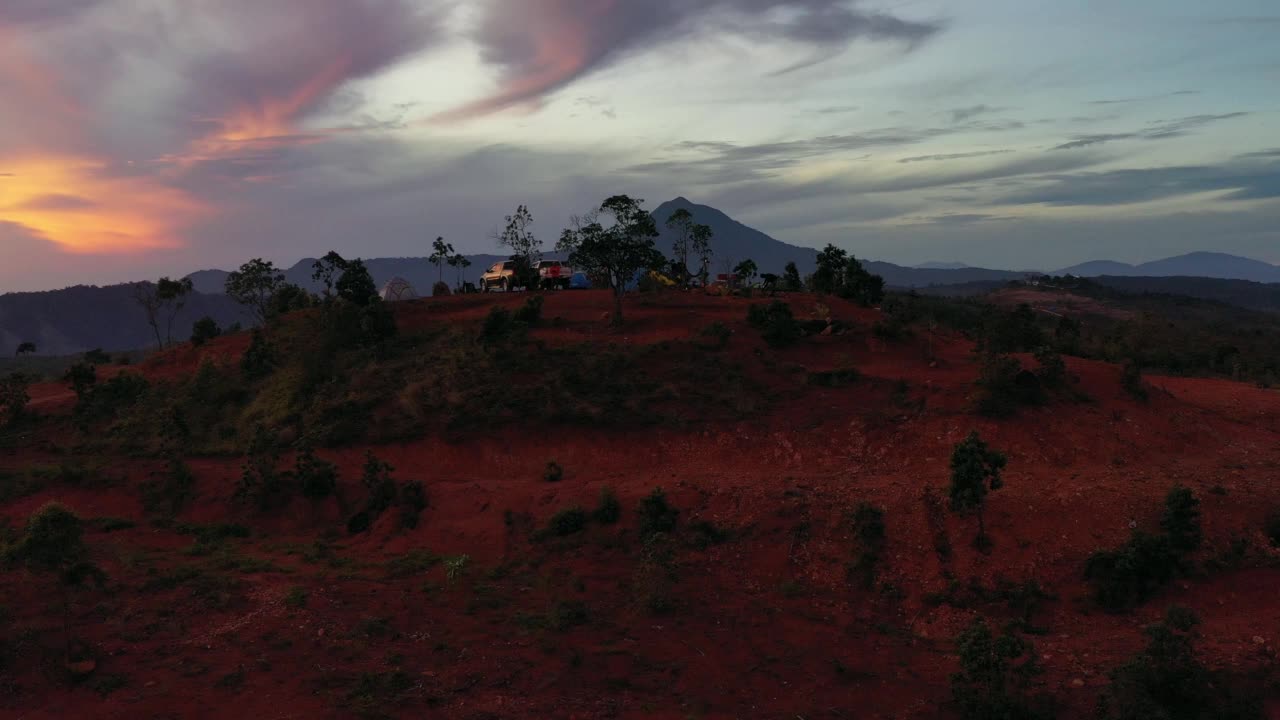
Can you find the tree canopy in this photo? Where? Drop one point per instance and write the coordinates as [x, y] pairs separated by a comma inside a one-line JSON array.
[[616, 253]]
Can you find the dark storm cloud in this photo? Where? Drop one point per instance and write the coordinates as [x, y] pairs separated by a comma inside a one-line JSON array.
[[1161, 130], [1245, 181], [541, 46]]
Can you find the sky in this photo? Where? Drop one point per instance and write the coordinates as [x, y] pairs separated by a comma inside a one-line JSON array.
[[141, 138]]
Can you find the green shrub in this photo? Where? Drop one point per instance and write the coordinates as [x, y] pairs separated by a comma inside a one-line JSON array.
[[1131, 574], [553, 472], [718, 334], [316, 478], [169, 495], [1131, 380], [994, 675], [297, 598], [1003, 386], [413, 500], [530, 313], [608, 511], [777, 326], [378, 481], [259, 359], [204, 330], [1053, 369], [656, 515], [1181, 520], [567, 522]]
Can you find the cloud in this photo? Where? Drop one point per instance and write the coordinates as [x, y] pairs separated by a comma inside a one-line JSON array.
[[541, 46], [838, 109], [1241, 181], [966, 113], [1144, 98], [21, 12], [961, 219], [57, 201], [953, 156], [1160, 130]]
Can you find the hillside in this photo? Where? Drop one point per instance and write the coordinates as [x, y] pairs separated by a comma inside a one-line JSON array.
[[1196, 264], [76, 319], [751, 588]]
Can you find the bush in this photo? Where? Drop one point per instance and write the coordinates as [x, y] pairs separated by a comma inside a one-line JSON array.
[[317, 478], [1181, 520], [1003, 386], [553, 472], [1053, 370], [992, 683], [1168, 681], [1131, 380], [204, 330], [167, 497], [13, 398], [381, 486], [778, 327], [1131, 574], [530, 313], [441, 289], [413, 500], [608, 511], [296, 599], [259, 358], [718, 333], [656, 515], [568, 522], [868, 525], [835, 378]]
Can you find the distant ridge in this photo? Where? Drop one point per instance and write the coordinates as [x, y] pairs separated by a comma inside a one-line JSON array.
[[1196, 264]]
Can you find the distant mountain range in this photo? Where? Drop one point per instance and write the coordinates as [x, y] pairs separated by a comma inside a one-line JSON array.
[[84, 317]]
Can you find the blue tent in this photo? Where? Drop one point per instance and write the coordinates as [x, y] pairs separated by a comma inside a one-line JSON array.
[[579, 281]]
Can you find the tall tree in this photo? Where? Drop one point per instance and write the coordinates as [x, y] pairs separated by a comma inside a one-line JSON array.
[[829, 275], [519, 238], [327, 270], [701, 238], [791, 278], [746, 271], [974, 467], [441, 252], [253, 286], [162, 301], [617, 253], [681, 224], [26, 348], [460, 262]]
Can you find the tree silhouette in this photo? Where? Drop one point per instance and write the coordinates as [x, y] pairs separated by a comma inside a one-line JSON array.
[[26, 348], [746, 271], [615, 254], [791, 278], [441, 252], [681, 223], [162, 301], [460, 262], [254, 285], [974, 467]]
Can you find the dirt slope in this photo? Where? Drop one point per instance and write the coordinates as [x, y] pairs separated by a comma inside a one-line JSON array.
[[763, 620]]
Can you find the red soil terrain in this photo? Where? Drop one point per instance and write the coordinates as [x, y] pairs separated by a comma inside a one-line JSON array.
[[763, 623]]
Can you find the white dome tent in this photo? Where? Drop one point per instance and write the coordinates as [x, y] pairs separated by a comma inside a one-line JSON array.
[[398, 289]]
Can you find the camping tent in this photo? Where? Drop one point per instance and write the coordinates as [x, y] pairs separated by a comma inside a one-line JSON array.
[[579, 281], [398, 289]]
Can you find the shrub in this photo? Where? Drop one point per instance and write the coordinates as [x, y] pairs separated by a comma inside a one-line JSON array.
[[168, 496], [378, 481], [656, 515], [608, 511], [834, 378], [568, 522], [413, 500], [868, 526], [1131, 380], [1003, 386], [317, 478], [994, 675], [1181, 520], [553, 472], [259, 358], [441, 289], [1129, 575], [1168, 681], [1272, 528], [531, 312], [13, 398], [718, 333], [259, 479], [974, 468], [296, 599], [1053, 370], [204, 330], [777, 326], [500, 326]]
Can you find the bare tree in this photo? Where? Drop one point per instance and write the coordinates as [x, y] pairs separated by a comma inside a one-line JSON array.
[[162, 301]]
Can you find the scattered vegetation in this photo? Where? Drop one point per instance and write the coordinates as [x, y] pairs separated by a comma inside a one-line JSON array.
[[995, 673], [777, 326], [1131, 574], [656, 514], [868, 527], [608, 510], [974, 468]]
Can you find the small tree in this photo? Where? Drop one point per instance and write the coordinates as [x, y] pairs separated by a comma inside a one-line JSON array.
[[681, 224], [13, 398], [327, 270], [1181, 520], [861, 286], [525, 247], [829, 275], [791, 278], [441, 252], [356, 285], [991, 683], [204, 330], [746, 271], [460, 262], [53, 544], [253, 286], [82, 378], [615, 254], [974, 467], [702, 235], [162, 301], [26, 348]]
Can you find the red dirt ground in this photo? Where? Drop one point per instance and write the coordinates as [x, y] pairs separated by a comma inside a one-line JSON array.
[[765, 625]]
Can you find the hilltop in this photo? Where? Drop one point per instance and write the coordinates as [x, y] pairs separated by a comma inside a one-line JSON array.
[[515, 593]]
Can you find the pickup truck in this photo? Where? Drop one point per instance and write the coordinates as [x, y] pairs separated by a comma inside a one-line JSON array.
[[499, 277], [554, 274]]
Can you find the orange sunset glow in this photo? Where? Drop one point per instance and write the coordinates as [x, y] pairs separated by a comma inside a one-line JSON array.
[[72, 203]]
